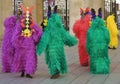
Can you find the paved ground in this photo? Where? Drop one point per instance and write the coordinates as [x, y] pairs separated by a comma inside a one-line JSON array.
[[76, 74]]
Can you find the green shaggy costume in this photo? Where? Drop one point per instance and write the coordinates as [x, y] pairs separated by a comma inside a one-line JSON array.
[[97, 46], [53, 40]]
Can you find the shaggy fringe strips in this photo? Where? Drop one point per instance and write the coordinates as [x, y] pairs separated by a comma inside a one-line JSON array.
[[97, 47], [25, 58], [7, 47], [112, 27], [80, 29], [53, 40]]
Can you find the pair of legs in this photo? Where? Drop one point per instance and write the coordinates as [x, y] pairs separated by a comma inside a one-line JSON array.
[[83, 56], [27, 75], [113, 43], [56, 63], [55, 75], [112, 47]]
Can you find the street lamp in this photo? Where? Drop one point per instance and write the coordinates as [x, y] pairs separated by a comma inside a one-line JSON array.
[[66, 17], [14, 6], [113, 1], [114, 8]]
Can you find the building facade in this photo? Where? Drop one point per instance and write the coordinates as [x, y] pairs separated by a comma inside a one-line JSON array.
[[6, 7], [75, 6]]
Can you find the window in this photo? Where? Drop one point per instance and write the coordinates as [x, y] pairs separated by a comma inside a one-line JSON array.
[[61, 9], [16, 5]]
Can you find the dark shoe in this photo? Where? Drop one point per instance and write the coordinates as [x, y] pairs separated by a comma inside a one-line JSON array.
[[6, 71], [55, 76], [114, 48], [28, 76], [109, 47], [85, 64], [22, 74]]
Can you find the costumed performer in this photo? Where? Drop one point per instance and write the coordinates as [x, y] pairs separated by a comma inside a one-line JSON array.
[[7, 47], [80, 29], [52, 42], [25, 39], [112, 27], [97, 46]]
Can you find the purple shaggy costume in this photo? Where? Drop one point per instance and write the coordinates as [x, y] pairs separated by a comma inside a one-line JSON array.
[[25, 59], [7, 48]]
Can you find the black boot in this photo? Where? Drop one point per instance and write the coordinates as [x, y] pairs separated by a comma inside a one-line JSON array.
[[28, 76], [22, 74], [55, 76], [85, 64], [114, 48], [109, 47]]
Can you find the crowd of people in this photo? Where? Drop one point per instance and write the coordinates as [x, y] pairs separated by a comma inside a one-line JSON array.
[[24, 40]]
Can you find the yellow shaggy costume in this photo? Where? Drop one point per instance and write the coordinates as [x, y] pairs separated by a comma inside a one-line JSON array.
[[112, 27]]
